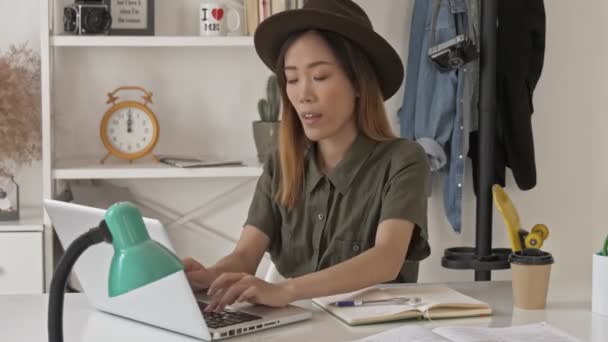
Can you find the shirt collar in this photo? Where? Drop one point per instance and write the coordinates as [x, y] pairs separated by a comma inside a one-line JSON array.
[[347, 169], [313, 171]]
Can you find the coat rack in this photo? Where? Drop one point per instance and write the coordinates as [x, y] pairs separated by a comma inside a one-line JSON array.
[[483, 258]]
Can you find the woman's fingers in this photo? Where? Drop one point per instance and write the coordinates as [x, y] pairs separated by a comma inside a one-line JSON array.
[[198, 276], [193, 283], [249, 295], [223, 281], [229, 296], [228, 289], [199, 280], [191, 265]]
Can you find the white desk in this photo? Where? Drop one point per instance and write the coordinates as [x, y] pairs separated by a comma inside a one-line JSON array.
[[23, 318]]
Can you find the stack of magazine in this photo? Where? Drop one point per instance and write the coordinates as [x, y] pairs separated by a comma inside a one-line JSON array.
[[193, 162]]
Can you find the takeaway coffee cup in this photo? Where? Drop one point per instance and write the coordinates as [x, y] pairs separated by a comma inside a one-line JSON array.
[[531, 269]]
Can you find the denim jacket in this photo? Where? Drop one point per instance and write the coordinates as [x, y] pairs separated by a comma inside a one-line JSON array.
[[440, 109]]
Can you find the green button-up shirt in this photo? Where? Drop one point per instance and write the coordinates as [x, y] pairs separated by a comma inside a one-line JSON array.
[[337, 215]]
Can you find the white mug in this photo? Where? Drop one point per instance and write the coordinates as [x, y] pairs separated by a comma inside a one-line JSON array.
[[213, 19]]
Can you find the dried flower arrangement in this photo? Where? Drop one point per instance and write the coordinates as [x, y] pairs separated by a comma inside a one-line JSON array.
[[20, 119]]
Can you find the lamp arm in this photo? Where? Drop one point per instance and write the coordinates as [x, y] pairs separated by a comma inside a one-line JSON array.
[[94, 236]]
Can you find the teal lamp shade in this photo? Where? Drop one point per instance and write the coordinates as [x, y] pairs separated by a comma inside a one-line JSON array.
[[138, 260]]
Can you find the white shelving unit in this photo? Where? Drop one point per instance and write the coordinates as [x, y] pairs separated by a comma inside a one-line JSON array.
[[30, 221], [55, 169], [92, 169], [156, 41]]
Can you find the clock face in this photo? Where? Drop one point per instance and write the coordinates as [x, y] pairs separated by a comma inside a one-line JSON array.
[[130, 130]]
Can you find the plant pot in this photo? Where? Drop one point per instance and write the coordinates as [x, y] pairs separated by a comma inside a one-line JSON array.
[[265, 136], [9, 199]]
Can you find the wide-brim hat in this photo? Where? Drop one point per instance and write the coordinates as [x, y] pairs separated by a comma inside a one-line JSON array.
[[340, 16]]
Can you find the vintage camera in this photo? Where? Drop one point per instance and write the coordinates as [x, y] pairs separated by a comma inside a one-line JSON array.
[[87, 17], [454, 53]]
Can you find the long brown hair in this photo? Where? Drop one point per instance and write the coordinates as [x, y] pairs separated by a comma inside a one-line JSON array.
[[370, 114]]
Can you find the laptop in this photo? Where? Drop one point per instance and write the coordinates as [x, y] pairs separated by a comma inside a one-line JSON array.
[[168, 303]]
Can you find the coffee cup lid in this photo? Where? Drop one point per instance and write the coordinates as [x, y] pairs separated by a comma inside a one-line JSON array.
[[531, 256]]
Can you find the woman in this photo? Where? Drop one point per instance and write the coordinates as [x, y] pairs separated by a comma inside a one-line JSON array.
[[342, 205]]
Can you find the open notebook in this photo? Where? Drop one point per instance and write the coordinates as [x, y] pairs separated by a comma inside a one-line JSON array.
[[436, 302]]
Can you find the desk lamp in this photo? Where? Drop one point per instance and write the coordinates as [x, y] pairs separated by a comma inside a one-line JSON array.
[[137, 261]]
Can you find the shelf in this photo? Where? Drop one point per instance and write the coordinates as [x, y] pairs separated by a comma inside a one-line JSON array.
[[30, 221], [149, 41], [118, 169]]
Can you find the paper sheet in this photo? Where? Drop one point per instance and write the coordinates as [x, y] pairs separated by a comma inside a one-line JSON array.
[[540, 332], [408, 333]]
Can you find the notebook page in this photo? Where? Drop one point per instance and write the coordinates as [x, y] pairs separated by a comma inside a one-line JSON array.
[[540, 332], [364, 312], [434, 295], [408, 333], [370, 312]]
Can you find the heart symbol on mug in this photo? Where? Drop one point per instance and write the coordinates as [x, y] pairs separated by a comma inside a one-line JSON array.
[[217, 13]]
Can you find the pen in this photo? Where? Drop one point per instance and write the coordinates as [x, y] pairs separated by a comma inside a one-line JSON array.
[[605, 248], [393, 301]]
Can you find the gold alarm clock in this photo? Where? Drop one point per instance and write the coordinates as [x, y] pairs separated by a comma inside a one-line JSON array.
[[129, 129]]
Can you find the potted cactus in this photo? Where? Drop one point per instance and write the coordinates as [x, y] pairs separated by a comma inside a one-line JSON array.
[[266, 130]]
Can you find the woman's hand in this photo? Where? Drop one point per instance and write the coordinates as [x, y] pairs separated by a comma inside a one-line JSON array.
[[229, 288], [199, 277]]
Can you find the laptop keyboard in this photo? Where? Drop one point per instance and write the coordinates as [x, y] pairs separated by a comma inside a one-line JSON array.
[[216, 320]]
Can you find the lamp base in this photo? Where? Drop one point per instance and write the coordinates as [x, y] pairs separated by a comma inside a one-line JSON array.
[[60, 277]]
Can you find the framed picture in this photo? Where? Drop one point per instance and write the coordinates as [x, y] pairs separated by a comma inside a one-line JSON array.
[[132, 17]]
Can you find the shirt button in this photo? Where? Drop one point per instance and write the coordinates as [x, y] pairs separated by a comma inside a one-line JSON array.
[[460, 156], [320, 217], [459, 185], [461, 128], [356, 248]]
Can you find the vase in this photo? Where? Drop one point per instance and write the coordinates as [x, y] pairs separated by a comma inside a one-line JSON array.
[[9, 199]]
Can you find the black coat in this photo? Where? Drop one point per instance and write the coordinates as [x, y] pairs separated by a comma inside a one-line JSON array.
[[520, 56]]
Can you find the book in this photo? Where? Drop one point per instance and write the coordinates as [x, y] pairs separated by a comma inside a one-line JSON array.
[[192, 162], [294, 4], [263, 10], [435, 302], [536, 332], [251, 12], [277, 6]]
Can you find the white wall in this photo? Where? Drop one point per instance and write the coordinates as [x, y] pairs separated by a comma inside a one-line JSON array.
[[208, 116]]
